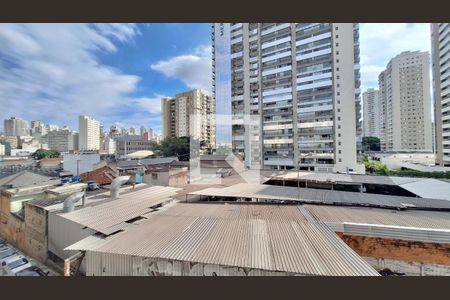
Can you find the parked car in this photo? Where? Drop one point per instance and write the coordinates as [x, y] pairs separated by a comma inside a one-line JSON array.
[[32, 271], [17, 265], [7, 253], [11, 258]]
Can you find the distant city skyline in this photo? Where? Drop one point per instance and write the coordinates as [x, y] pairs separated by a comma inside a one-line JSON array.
[[117, 73]]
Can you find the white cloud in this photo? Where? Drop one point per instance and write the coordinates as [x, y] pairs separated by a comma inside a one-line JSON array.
[[381, 42], [193, 69], [52, 72], [150, 105]]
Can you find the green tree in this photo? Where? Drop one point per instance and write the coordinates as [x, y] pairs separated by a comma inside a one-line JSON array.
[[41, 153], [223, 150], [375, 167], [175, 146], [371, 143]]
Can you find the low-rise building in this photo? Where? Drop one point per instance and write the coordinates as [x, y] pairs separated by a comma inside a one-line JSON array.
[[131, 143]]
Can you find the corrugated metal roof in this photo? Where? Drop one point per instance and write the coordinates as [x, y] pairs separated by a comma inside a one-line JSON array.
[[111, 216], [398, 232], [91, 242], [313, 196], [406, 218], [348, 178], [27, 178], [429, 188], [266, 237]]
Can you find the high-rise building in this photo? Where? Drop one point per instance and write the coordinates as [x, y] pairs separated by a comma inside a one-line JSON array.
[[221, 83], [109, 144], [371, 113], [89, 133], [142, 130], [132, 131], [189, 114], [16, 127], [168, 117], [440, 47], [62, 140], [302, 81], [405, 123]]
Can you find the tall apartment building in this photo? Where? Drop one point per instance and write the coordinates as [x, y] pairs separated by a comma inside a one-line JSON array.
[[177, 116], [406, 103], [301, 80], [89, 133], [16, 127], [371, 113], [440, 47], [62, 140]]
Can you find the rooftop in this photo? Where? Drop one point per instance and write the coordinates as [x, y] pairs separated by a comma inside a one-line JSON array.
[[27, 178], [112, 215], [319, 196], [438, 189], [274, 238]]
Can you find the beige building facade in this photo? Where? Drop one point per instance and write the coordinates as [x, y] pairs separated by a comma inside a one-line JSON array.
[[189, 114], [440, 47], [89, 133], [406, 103], [371, 113]]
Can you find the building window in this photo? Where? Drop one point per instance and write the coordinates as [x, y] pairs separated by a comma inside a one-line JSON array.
[[154, 176]]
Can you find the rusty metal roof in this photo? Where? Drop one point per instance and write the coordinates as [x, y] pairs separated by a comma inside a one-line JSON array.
[[266, 237], [112, 216], [317, 196]]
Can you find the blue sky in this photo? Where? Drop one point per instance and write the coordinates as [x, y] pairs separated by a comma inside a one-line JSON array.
[[117, 73]]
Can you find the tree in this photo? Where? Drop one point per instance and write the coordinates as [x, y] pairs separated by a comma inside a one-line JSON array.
[[371, 143], [223, 150], [175, 146], [375, 167], [41, 153], [206, 147]]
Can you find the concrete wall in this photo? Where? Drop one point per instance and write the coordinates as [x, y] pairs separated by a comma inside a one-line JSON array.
[[177, 177], [11, 228], [36, 232], [63, 233], [409, 268], [157, 178]]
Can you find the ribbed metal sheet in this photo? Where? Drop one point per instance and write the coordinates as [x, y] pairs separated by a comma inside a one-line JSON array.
[[265, 237], [312, 196], [111, 216], [89, 243], [398, 232], [376, 216]]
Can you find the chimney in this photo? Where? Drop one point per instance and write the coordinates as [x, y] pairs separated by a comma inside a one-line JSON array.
[[69, 203], [116, 184]]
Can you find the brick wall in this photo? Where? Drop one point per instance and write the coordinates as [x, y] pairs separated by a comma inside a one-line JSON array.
[[403, 250]]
